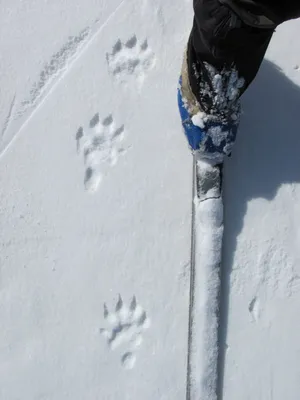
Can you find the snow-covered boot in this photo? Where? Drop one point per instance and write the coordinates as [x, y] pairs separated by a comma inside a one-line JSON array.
[[211, 134]]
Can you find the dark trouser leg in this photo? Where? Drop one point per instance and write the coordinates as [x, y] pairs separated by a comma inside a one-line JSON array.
[[225, 50], [220, 38]]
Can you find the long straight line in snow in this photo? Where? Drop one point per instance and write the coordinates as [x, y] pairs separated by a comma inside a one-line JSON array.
[[192, 285], [8, 118], [63, 75]]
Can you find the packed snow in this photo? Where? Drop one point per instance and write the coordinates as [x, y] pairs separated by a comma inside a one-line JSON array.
[[96, 206], [207, 235]]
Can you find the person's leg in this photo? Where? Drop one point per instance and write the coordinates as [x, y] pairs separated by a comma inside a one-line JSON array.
[[225, 50], [221, 39]]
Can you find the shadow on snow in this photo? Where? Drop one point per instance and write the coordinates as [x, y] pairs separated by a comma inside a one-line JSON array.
[[265, 157]]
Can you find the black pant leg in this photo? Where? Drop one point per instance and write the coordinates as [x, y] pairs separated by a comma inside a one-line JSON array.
[[220, 38]]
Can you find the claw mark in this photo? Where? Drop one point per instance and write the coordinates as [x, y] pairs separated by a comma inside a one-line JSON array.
[[79, 136], [133, 304], [116, 48], [119, 304], [128, 360], [105, 312], [131, 43], [94, 121], [254, 308]]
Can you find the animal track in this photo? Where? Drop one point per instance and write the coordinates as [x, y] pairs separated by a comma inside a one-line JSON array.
[[100, 146], [130, 59], [128, 325]]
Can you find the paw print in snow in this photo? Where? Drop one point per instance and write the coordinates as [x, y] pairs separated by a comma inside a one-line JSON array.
[[130, 59], [127, 327], [100, 146]]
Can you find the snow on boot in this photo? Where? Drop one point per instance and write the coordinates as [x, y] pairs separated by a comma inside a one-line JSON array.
[[210, 134]]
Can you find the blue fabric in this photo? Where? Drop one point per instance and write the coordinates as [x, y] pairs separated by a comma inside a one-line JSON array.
[[193, 133], [197, 136]]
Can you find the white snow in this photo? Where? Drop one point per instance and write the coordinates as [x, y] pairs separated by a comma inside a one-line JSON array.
[[96, 197], [204, 357], [199, 119]]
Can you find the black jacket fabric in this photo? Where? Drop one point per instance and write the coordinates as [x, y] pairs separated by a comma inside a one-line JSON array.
[[221, 37]]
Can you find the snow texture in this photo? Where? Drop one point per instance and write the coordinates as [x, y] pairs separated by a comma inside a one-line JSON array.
[[224, 91], [221, 95], [209, 233], [96, 213], [52, 69], [208, 247]]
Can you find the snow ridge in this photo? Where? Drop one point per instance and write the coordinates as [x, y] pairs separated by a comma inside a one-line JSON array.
[[208, 231]]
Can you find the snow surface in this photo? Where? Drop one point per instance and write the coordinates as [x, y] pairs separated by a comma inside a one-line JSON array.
[[96, 194]]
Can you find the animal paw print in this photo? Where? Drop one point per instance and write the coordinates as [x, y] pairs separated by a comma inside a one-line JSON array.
[[100, 146], [130, 59], [127, 327]]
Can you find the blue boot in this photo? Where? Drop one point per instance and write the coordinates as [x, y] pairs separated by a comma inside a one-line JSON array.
[[210, 135]]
